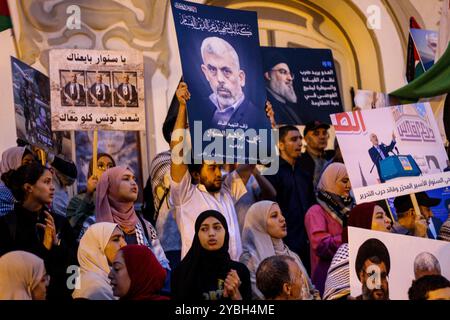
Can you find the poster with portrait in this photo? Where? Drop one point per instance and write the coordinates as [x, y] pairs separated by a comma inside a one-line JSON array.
[[221, 61], [301, 84], [123, 146], [381, 268], [426, 42], [31, 92], [97, 89], [391, 151]]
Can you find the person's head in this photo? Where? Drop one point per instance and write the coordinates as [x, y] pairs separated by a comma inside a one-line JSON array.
[[431, 287], [222, 69], [208, 174], [99, 246], [14, 157], [22, 277], [265, 217], [372, 267], [32, 183], [73, 77], [211, 229], [290, 142], [335, 180], [104, 161], [136, 274], [279, 278], [425, 203], [126, 78], [371, 216], [99, 78], [280, 80], [405, 208], [426, 264], [374, 139], [316, 136]]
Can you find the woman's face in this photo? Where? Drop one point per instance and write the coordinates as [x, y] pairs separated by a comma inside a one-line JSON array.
[[116, 241], [43, 190], [40, 291], [211, 234], [120, 280], [104, 163], [343, 187], [27, 159], [128, 188], [276, 223], [380, 220]]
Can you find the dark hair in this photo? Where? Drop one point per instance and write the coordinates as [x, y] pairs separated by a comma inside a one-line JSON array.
[[283, 131], [420, 288], [272, 274], [99, 155], [375, 251], [16, 179], [194, 167]]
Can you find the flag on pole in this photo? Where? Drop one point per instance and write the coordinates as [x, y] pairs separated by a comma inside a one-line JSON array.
[[413, 66], [5, 18]]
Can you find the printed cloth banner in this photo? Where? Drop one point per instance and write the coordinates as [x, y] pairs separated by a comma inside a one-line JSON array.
[[221, 60], [381, 268], [301, 84], [392, 151], [97, 89]]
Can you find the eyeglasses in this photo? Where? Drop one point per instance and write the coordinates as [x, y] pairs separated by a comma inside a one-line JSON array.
[[284, 72], [103, 167]]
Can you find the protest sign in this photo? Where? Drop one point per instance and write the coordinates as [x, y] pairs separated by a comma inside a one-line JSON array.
[[393, 151], [301, 84], [97, 89], [390, 274]]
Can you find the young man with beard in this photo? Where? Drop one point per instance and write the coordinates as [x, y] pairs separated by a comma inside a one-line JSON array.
[[372, 267], [200, 187], [280, 90]]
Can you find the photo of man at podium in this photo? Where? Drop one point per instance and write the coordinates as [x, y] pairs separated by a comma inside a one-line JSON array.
[[380, 152]]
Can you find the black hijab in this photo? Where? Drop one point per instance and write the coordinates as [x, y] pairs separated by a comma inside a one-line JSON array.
[[201, 266]]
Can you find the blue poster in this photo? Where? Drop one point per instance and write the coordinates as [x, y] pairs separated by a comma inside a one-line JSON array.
[[220, 55], [301, 84]]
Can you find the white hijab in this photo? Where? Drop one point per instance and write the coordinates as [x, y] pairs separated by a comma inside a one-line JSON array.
[[94, 268], [20, 273], [258, 244]]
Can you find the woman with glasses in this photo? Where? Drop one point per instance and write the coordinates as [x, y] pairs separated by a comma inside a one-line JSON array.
[[81, 208], [23, 277], [34, 228]]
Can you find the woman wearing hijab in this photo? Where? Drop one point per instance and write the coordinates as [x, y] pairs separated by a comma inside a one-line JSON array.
[[369, 216], [264, 229], [12, 159], [207, 271], [324, 221], [96, 252], [32, 227], [137, 275], [22, 277], [81, 208], [117, 191]]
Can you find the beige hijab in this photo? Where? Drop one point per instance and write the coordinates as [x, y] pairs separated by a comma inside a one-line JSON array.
[[20, 273], [258, 244]]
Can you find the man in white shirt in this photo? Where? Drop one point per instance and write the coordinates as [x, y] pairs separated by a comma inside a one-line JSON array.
[[210, 192]]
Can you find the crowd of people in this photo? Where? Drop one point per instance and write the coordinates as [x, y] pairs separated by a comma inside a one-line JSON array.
[[206, 231]]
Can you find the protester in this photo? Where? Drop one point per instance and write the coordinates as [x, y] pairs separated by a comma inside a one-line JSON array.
[[82, 206], [324, 221], [32, 227], [210, 191], [409, 223], [431, 287], [295, 192], [64, 175], [426, 264], [315, 157], [22, 277], [264, 229], [280, 278], [136, 274], [12, 159], [207, 272], [369, 216], [96, 252], [444, 232]]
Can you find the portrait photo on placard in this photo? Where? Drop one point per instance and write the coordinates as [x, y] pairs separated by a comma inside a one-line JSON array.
[[73, 88], [99, 89], [125, 89]]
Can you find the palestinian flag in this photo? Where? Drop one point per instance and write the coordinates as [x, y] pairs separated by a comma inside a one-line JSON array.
[[413, 66], [5, 18]]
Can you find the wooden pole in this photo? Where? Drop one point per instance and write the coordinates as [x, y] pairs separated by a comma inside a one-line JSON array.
[[415, 205], [94, 153]]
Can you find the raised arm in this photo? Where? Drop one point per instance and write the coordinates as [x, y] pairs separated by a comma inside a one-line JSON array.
[[177, 167], [268, 192]]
